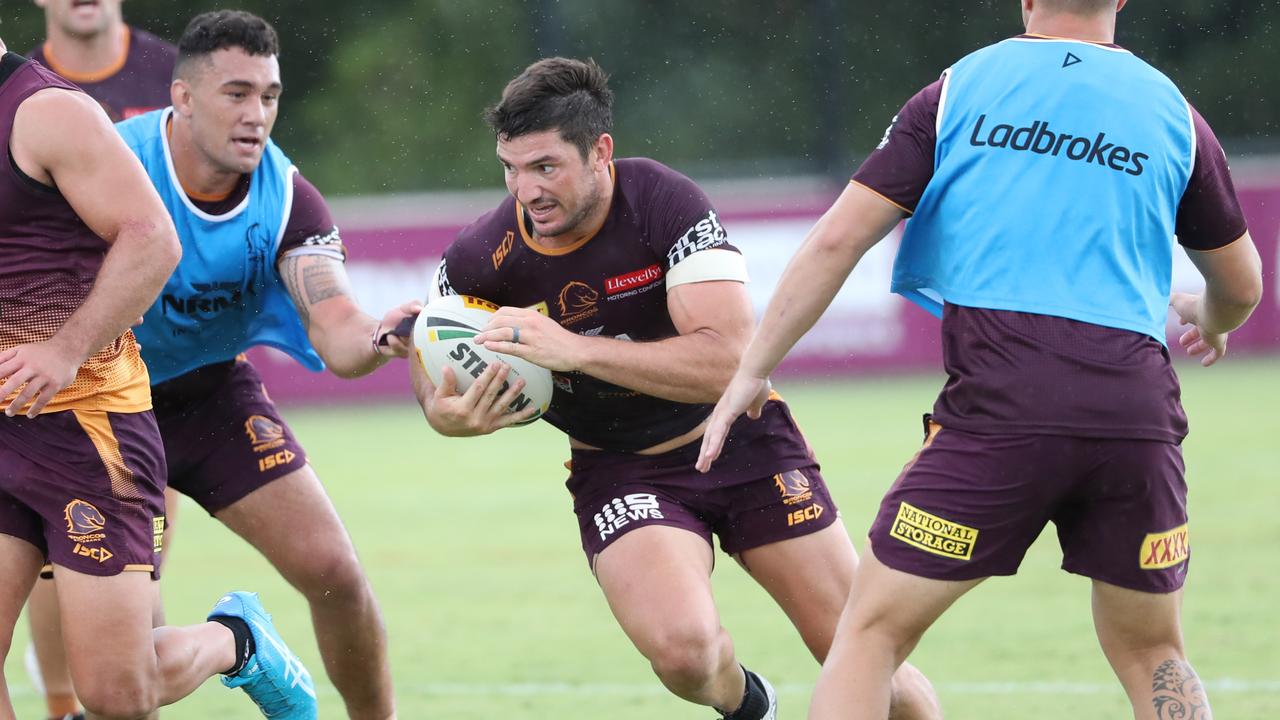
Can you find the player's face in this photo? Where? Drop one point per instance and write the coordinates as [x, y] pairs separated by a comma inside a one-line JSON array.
[[82, 18], [548, 175], [231, 100]]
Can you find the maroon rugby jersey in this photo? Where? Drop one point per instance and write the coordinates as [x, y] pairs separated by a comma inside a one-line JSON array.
[[611, 284], [48, 262], [1018, 372], [137, 83]]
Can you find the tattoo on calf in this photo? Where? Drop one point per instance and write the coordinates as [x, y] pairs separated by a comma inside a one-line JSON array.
[[1178, 694]]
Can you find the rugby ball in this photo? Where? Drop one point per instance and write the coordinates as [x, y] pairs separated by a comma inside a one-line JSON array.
[[442, 335]]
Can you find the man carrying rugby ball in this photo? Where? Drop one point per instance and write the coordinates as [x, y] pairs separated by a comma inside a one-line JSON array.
[[617, 276]]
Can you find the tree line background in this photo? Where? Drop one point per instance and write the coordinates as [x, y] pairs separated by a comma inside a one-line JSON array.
[[386, 96]]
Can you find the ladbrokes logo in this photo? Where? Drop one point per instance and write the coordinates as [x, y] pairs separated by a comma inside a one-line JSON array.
[[1164, 550], [1039, 139], [84, 522], [577, 302], [794, 487], [264, 433], [632, 283], [932, 534]]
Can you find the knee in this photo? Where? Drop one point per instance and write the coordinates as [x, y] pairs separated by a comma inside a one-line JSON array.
[[689, 658], [129, 697], [333, 577]]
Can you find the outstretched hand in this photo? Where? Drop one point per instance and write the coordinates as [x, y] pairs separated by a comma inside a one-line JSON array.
[[1209, 347], [394, 331], [744, 394]]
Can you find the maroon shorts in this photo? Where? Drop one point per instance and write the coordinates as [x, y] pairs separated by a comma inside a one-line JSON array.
[[764, 488], [222, 434], [969, 505], [85, 487]]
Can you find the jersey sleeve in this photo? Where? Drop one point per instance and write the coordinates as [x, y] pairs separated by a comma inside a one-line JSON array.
[[1209, 215], [310, 230], [685, 230], [902, 164], [467, 267]]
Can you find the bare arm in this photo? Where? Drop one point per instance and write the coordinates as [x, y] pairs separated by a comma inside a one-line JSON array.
[[63, 139], [713, 320], [853, 225], [343, 335], [1233, 288]]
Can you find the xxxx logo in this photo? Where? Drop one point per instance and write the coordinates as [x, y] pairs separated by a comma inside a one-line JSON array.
[[1164, 550]]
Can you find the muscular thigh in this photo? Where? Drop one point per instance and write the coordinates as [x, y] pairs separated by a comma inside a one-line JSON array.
[[227, 442]]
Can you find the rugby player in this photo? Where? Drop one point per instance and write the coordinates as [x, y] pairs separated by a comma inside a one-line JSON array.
[[85, 246], [618, 276], [1046, 177], [264, 266], [128, 71]]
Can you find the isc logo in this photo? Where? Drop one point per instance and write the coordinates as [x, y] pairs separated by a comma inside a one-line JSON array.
[[284, 457], [813, 512], [95, 553]]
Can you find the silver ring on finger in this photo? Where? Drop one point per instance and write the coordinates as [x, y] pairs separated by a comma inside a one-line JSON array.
[[515, 336]]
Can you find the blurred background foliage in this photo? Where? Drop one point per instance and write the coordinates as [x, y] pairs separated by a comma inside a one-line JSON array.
[[386, 96]]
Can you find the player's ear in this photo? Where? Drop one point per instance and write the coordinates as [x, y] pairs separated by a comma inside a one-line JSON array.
[[180, 96], [603, 150]]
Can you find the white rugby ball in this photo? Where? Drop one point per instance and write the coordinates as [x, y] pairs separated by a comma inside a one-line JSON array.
[[442, 336]]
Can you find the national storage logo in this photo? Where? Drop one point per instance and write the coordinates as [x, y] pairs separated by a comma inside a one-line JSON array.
[[933, 534], [1041, 140]]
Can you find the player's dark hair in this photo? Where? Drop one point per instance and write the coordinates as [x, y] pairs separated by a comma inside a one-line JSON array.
[[570, 96], [210, 32]]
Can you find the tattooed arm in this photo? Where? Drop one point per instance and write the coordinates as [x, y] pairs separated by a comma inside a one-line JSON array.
[[343, 335]]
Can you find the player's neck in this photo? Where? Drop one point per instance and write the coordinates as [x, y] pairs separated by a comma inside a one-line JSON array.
[[199, 179], [1097, 28], [81, 59]]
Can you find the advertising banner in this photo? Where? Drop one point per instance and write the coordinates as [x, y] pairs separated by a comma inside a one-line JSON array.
[[394, 251]]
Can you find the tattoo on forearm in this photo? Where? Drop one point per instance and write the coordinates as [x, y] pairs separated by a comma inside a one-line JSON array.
[[1178, 694]]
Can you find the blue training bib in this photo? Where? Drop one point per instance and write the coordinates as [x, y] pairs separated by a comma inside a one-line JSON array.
[[226, 295], [1058, 172]]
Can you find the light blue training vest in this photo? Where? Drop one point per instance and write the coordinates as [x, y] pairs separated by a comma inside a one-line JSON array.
[[1058, 173], [226, 295]]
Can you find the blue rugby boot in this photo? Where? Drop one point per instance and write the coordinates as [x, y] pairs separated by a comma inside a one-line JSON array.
[[273, 676]]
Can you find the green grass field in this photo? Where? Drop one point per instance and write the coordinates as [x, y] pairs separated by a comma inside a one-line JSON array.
[[473, 549]]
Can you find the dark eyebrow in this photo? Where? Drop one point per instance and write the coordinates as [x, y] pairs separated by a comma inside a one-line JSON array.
[[249, 86]]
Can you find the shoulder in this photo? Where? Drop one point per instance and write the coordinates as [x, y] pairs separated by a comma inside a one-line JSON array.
[[642, 176], [487, 232], [139, 128]]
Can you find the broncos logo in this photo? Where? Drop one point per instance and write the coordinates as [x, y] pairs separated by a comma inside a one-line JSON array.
[[83, 518], [792, 483], [262, 430], [577, 297]]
